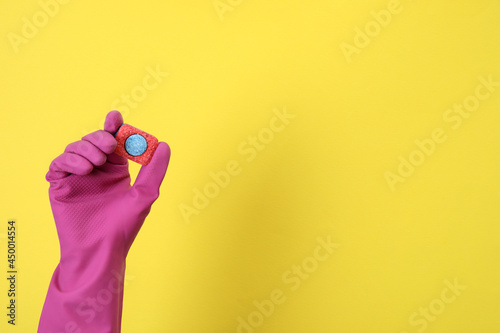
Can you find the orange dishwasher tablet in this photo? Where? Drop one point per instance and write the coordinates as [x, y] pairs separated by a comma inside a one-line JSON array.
[[134, 144]]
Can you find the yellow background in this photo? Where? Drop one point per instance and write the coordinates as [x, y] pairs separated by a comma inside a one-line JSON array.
[[321, 176]]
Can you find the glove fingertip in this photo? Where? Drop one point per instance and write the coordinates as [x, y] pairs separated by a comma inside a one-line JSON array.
[[114, 120]]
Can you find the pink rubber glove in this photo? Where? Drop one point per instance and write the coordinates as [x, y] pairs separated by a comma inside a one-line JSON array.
[[97, 215]]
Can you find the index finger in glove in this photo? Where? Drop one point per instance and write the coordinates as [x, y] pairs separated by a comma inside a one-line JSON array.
[[114, 120], [112, 123]]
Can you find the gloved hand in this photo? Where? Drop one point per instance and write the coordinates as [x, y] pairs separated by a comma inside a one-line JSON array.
[[97, 215]]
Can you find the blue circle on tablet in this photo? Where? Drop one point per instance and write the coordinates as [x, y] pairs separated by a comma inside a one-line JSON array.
[[136, 145]]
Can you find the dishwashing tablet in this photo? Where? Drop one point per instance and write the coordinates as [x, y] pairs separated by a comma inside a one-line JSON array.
[[134, 144]]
